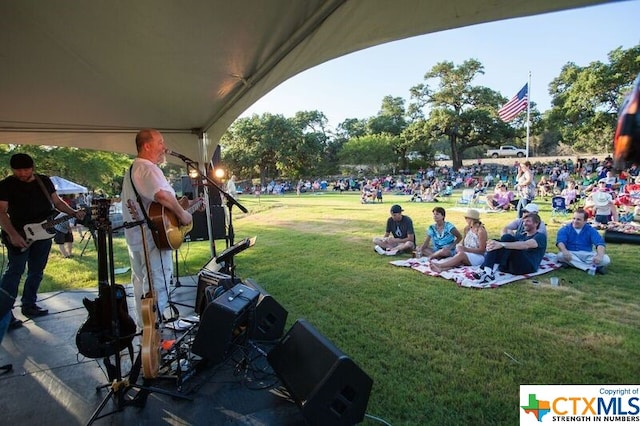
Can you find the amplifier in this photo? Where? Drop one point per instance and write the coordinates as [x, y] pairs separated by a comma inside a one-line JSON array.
[[226, 323], [208, 278]]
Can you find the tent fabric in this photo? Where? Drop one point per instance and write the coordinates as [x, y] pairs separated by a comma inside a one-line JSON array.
[[90, 74], [64, 186]]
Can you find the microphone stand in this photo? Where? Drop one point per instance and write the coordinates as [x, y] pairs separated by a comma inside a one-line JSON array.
[[230, 202]]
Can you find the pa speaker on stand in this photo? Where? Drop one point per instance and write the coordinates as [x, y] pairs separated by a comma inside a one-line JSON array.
[[327, 385]]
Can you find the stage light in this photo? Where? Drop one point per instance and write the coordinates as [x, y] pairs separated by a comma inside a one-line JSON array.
[[219, 173]]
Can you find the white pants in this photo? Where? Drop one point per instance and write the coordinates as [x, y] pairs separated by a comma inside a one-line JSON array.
[[475, 259], [583, 259], [161, 265]]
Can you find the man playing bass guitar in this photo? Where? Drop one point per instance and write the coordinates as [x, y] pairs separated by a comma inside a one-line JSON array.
[[26, 199], [146, 179]]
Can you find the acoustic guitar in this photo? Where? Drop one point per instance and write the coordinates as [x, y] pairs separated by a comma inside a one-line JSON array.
[[169, 234], [150, 333]]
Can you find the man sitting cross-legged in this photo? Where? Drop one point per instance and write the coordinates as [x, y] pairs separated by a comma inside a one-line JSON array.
[[518, 255], [399, 234], [576, 241]]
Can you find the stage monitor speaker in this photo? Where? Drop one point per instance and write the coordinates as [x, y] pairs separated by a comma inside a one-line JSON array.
[[208, 279], [225, 323], [326, 384], [270, 317], [200, 230]]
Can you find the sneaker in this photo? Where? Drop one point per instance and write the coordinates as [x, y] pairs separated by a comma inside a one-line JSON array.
[[34, 311], [487, 278], [379, 250], [484, 276], [481, 272], [602, 270], [391, 252]]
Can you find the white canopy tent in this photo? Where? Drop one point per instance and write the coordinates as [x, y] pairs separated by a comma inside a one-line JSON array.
[[65, 187], [90, 74]]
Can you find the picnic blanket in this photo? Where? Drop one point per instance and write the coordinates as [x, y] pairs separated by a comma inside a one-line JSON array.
[[463, 275]]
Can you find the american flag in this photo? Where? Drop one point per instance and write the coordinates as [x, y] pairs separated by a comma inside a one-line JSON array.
[[515, 106]]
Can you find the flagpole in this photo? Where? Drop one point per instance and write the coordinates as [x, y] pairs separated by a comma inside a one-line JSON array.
[[528, 112]]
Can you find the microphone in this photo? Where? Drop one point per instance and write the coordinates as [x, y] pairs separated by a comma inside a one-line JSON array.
[[180, 156]]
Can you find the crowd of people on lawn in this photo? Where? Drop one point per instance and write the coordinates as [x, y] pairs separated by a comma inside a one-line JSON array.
[[605, 195], [518, 251], [602, 198]]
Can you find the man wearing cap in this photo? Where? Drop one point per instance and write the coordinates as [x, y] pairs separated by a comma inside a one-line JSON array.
[[576, 242], [399, 235], [516, 227], [27, 198]]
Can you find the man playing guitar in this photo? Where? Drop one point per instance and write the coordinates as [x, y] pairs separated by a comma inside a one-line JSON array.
[[27, 198], [146, 179]]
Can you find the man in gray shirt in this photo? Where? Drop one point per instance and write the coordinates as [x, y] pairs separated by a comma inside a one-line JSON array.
[[515, 228]]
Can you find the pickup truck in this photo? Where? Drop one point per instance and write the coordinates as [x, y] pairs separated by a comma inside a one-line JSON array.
[[506, 151]]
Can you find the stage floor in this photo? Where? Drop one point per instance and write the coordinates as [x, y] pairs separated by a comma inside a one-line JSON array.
[[52, 384]]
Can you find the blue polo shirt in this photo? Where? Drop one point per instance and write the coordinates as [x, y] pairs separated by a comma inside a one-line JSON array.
[[583, 241]]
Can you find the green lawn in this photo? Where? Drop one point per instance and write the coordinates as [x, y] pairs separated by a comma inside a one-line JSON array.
[[438, 354]]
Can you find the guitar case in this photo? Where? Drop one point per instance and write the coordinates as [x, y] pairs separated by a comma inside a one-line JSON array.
[[95, 337]]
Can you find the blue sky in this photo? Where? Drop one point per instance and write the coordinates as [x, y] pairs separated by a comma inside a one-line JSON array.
[[353, 86]]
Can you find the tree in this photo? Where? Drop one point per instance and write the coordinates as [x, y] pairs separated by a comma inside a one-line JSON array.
[[250, 145], [315, 154], [99, 171], [351, 128], [274, 146], [464, 114], [390, 119], [585, 100], [370, 150]]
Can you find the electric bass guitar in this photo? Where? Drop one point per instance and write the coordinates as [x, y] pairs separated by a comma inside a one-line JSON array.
[[36, 231], [168, 233], [150, 349], [98, 337]]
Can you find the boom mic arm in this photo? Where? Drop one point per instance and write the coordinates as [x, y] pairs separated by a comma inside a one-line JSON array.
[[180, 156]]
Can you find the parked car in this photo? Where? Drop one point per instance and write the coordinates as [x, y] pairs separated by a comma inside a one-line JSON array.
[[440, 156], [507, 151]]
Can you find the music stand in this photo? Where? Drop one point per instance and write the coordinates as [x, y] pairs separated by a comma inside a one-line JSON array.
[[226, 256]]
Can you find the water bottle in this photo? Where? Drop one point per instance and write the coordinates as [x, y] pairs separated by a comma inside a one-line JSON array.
[[592, 270]]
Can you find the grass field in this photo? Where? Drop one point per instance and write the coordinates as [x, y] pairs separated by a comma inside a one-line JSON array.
[[438, 354]]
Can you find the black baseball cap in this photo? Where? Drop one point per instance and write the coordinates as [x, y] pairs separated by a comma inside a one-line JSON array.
[[21, 161], [396, 208]]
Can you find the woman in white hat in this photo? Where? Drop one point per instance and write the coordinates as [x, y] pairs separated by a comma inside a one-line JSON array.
[[471, 251], [601, 201]]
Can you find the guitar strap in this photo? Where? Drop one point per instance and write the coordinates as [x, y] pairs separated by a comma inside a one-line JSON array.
[[147, 219], [44, 190]]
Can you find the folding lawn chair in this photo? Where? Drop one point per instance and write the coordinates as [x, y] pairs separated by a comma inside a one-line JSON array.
[[466, 197], [558, 206]]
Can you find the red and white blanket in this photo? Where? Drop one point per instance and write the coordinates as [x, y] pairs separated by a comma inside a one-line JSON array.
[[463, 275]]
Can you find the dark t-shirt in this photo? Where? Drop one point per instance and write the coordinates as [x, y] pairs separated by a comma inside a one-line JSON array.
[[27, 201], [402, 228], [534, 256]]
